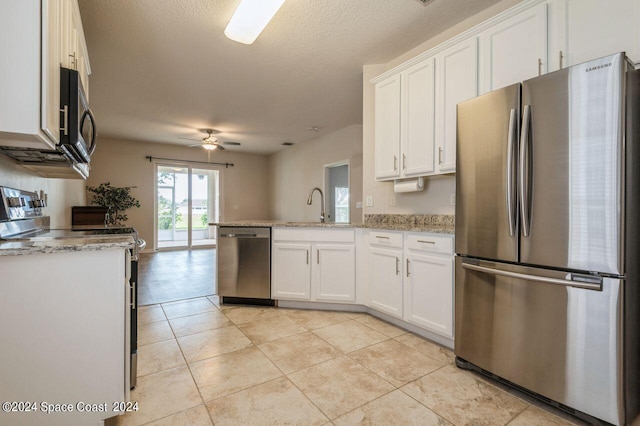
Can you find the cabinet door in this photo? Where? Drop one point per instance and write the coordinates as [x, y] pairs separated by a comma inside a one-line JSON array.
[[385, 293], [417, 115], [51, 43], [456, 81], [291, 271], [429, 293], [515, 49], [334, 272], [596, 28], [387, 128]]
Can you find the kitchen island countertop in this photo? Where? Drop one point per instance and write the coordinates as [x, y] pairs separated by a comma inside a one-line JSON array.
[[91, 243]]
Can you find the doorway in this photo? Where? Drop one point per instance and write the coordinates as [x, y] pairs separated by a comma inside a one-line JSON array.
[[337, 188], [188, 199]]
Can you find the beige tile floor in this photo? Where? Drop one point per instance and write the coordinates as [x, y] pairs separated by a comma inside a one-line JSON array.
[[202, 364]]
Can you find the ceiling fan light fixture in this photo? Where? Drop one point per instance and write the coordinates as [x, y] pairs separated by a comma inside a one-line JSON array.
[[250, 18], [209, 146]]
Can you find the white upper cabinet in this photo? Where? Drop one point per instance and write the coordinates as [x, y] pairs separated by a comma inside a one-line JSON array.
[[30, 95], [74, 48], [515, 49], [387, 128], [456, 81], [596, 28], [417, 111], [40, 32]]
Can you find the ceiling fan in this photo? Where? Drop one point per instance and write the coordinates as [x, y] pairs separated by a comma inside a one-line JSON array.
[[210, 142]]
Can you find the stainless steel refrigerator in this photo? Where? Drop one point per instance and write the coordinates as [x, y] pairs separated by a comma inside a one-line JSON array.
[[547, 281]]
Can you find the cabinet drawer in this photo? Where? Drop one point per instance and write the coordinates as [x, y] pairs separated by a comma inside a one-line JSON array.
[[328, 235], [385, 239], [430, 243]]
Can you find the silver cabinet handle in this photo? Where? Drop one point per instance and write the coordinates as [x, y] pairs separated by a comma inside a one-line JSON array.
[[546, 280], [561, 57], [133, 294], [510, 187], [317, 256], [395, 163], [408, 273], [307, 256], [381, 237], [539, 66], [397, 266], [65, 120], [524, 173], [426, 242], [404, 162], [440, 155], [75, 61]]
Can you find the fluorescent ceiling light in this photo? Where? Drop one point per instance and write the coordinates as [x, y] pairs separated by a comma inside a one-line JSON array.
[[250, 18]]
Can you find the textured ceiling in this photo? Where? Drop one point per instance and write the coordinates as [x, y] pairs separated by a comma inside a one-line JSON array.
[[163, 68]]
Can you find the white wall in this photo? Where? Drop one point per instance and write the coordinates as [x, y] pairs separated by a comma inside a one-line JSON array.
[[244, 187], [296, 170], [435, 198], [62, 193]]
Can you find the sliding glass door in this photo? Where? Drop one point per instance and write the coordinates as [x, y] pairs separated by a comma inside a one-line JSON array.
[[187, 201]]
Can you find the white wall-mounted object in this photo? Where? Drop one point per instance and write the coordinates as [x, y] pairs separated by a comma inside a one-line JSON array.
[[408, 185], [250, 18]]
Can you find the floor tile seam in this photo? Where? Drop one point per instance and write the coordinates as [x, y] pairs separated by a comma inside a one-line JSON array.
[[187, 299], [369, 369], [388, 323], [328, 343], [307, 396], [517, 415], [425, 405], [371, 328], [242, 390], [191, 314], [173, 414], [202, 332], [300, 369], [423, 353], [193, 379], [366, 403], [220, 354], [225, 325]]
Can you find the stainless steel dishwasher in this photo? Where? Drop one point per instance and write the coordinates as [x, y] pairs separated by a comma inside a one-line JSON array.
[[244, 265]]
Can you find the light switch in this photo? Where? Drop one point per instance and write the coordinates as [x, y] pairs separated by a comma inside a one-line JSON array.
[[369, 200]]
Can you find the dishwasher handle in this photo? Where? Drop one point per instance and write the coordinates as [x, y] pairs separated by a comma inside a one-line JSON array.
[[245, 233]]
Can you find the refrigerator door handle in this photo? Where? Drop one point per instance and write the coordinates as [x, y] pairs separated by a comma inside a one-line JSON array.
[[524, 170], [510, 160], [535, 278]]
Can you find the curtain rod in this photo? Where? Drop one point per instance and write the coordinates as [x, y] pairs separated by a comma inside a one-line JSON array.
[[226, 165]]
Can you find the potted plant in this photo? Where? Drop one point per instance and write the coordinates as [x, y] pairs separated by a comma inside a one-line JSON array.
[[116, 199]]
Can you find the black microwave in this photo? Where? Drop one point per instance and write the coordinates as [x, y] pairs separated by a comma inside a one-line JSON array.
[[78, 130]]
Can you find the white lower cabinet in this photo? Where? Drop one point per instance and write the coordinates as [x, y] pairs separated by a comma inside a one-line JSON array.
[[429, 292], [411, 278], [291, 271], [335, 272], [313, 265], [385, 291]]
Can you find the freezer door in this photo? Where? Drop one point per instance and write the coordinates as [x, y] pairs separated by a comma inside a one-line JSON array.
[[571, 168], [533, 328], [486, 202]]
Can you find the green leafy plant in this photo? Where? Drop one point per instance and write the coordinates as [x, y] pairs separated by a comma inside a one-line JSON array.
[[166, 212], [117, 199]]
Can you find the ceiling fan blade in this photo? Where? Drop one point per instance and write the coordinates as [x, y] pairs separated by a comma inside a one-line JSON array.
[[194, 145], [220, 147], [230, 143], [189, 139]]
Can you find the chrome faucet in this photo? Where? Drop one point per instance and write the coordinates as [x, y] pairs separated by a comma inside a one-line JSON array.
[[321, 202]]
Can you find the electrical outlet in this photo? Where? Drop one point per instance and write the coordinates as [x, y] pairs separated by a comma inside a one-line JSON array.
[[369, 200], [392, 201], [452, 199], [358, 204]]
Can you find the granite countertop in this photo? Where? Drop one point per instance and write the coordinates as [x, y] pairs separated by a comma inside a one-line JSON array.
[[93, 243], [413, 227]]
